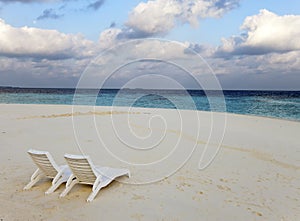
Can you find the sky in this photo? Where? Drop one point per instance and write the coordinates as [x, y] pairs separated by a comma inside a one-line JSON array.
[[243, 44]]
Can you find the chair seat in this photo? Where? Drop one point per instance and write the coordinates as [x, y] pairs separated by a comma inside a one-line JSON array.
[[85, 172]]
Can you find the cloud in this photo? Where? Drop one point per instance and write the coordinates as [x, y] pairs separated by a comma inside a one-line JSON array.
[[148, 57], [158, 17], [108, 37], [200, 49], [272, 71], [49, 14], [262, 70], [41, 73], [112, 25], [96, 5], [129, 33], [24, 1], [264, 33], [38, 57], [37, 43], [30, 1]]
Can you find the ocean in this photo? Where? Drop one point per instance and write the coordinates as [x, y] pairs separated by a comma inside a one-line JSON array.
[[276, 104]]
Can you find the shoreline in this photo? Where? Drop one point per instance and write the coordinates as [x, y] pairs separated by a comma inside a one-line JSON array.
[[226, 113], [255, 171]]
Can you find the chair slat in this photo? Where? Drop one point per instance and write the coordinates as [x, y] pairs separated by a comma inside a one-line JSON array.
[[43, 160], [81, 169]]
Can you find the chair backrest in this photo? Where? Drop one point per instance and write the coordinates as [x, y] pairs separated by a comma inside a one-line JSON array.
[[82, 167], [44, 161]]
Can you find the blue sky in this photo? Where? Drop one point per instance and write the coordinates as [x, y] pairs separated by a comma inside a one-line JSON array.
[[249, 44]]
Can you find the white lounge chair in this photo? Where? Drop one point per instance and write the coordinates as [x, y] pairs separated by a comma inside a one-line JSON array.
[[85, 172], [47, 167]]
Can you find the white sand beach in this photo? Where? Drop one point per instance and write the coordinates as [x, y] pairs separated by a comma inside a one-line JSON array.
[[254, 176]]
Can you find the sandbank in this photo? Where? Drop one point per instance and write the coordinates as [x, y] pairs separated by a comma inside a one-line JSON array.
[[255, 175]]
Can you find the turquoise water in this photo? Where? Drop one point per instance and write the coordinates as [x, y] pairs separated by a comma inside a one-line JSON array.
[[278, 104]]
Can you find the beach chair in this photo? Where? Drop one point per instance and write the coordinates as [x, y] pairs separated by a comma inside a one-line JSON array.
[[85, 172], [47, 168]]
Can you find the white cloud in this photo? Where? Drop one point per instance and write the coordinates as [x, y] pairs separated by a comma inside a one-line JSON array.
[[155, 17], [158, 17], [108, 37], [39, 43], [279, 33], [265, 33]]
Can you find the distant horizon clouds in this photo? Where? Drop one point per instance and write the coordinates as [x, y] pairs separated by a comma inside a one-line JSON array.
[[47, 46]]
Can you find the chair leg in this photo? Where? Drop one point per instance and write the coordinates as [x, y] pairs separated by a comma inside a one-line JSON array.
[[55, 185], [128, 174], [71, 182], [94, 193], [96, 188], [100, 183], [36, 176]]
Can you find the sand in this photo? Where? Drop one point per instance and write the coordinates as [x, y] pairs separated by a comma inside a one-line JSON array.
[[254, 176]]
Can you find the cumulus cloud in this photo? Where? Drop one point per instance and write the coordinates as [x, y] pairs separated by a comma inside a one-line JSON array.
[[108, 37], [158, 17], [49, 13], [264, 33], [42, 44]]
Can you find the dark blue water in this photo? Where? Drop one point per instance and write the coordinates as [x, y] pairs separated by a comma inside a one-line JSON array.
[[278, 104]]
